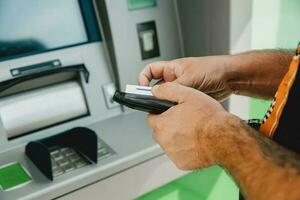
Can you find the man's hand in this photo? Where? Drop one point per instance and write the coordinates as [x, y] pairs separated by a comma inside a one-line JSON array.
[[255, 73], [199, 133], [207, 74], [186, 132]]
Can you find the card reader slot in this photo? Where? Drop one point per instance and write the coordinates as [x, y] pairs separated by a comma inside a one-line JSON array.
[[40, 82]]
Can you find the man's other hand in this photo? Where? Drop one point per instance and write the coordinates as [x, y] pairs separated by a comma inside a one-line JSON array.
[[206, 74], [187, 131]]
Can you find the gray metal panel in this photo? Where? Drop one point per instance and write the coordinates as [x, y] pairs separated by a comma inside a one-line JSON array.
[[130, 183], [220, 26], [3, 137], [205, 26], [195, 26], [126, 41], [127, 134]]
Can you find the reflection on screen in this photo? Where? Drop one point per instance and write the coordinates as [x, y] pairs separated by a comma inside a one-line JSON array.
[[28, 26]]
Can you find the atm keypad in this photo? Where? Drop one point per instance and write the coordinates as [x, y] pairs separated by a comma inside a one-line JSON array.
[[65, 160]]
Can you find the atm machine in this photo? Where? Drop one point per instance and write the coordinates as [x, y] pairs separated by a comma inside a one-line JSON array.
[[60, 62]]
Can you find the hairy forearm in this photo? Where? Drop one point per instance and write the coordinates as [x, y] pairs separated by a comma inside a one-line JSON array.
[[258, 73], [262, 169]]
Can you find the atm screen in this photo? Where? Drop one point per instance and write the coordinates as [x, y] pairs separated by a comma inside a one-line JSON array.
[[34, 26]]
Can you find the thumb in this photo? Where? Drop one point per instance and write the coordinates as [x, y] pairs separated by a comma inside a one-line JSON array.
[[171, 91]]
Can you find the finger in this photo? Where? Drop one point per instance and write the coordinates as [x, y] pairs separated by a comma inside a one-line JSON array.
[[164, 70], [169, 73], [151, 71], [171, 91]]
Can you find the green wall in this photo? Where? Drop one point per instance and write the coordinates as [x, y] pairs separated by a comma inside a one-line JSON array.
[[275, 25], [208, 184]]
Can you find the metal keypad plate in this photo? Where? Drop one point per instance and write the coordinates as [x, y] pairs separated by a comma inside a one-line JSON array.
[[104, 151], [66, 159]]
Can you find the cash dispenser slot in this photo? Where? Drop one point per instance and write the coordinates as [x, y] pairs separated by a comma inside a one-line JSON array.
[[70, 70], [35, 101], [63, 152]]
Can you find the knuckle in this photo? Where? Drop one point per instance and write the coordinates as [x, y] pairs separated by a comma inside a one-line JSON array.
[[149, 65], [159, 127], [148, 68], [154, 64], [141, 73], [154, 124], [170, 65]]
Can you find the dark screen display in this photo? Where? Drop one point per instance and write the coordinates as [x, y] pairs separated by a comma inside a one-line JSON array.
[[31, 26]]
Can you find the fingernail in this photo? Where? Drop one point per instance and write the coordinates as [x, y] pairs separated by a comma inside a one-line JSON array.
[[154, 88]]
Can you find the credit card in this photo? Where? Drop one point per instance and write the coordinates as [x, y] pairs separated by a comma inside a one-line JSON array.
[[137, 89]]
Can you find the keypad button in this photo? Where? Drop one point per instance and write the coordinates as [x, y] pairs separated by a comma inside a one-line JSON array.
[[74, 157], [64, 149], [68, 151], [57, 171], [55, 154], [53, 163], [103, 153], [68, 167], [80, 163], [62, 162], [100, 157]]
